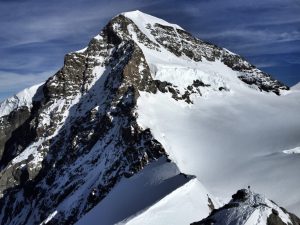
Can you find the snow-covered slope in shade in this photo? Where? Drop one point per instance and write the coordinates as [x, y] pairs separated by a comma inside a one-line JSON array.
[[187, 204], [249, 208], [22, 99], [139, 192]]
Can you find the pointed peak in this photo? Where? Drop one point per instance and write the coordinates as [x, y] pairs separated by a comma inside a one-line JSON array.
[[141, 18]]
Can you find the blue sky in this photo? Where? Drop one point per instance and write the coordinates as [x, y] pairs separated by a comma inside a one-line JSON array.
[[36, 34]]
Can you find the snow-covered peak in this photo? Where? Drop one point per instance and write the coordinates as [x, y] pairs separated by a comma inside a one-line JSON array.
[[23, 98], [248, 208], [168, 45], [142, 19], [115, 107]]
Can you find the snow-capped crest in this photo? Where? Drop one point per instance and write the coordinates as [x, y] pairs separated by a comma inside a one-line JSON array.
[[141, 19], [22, 99]]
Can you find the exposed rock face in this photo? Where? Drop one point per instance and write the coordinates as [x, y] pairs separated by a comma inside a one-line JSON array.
[[247, 207], [11, 122], [81, 136]]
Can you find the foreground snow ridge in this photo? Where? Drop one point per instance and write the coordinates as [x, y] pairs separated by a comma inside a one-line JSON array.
[[153, 196], [183, 206]]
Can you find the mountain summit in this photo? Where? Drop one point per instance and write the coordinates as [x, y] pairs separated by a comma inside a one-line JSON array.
[[137, 118], [247, 207]]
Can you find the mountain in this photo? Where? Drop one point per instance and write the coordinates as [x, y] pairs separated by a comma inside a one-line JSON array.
[[145, 113], [247, 207]]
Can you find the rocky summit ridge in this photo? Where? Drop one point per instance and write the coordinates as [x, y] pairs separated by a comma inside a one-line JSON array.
[[247, 207]]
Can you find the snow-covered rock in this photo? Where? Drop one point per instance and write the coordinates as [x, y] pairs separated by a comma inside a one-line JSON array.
[[249, 208], [22, 99]]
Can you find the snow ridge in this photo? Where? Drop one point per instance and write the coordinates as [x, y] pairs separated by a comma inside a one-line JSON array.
[[141, 19], [22, 99], [184, 205]]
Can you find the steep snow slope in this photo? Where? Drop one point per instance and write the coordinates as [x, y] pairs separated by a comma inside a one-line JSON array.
[[235, 136], [188, 203], [134, 195], [249, 208]]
